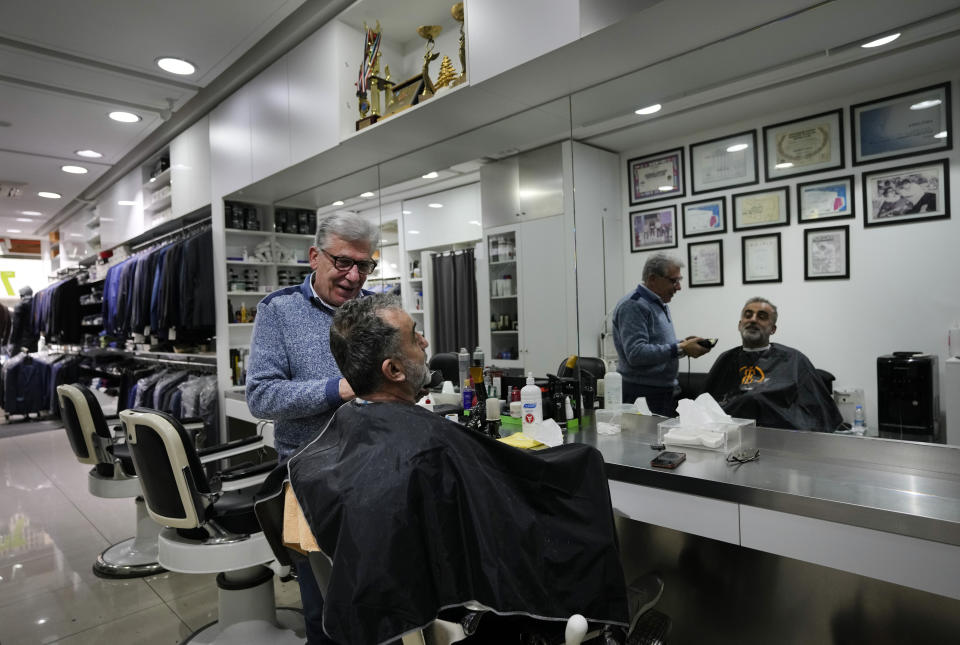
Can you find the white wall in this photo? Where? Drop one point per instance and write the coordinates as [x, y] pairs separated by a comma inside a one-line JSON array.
[[902, 293]]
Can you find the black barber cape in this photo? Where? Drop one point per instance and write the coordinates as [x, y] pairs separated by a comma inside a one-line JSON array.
[[778, 387], [419, 514]]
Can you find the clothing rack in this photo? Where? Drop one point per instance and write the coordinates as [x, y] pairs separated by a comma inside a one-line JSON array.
[[174, 235]]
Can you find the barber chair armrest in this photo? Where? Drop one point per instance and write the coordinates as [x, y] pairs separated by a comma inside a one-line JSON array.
[[230, 449], [246, 470]]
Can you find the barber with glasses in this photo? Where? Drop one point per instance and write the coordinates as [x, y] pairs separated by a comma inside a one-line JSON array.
[[648, 351], [292, 377]]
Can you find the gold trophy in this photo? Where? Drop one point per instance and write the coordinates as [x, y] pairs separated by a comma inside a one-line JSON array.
[[457, 12], [428, 32], [369, 79]]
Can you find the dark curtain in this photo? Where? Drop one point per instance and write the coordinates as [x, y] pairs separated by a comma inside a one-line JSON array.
[[454, 302]]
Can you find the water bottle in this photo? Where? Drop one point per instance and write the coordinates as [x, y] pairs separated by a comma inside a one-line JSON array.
[[612, 391], [531, 401], [463, 363], [859, 422]]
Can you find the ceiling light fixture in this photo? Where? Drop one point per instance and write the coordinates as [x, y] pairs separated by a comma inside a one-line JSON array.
[[14, 230], [124, 117], [48, 195], [126, 202], [90, 154], [407, 212], [339, 202], [940, 135], [650, 109], [435, 205], [177, 66], [431, 175], [923, 105], [24, 219], [367, 195], [879, 42], [737, 147], [31, 213], [74, 170], [412, 232]]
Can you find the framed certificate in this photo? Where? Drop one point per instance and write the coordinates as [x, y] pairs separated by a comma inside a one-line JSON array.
[[705, 217], [726, 162], [907, 124], [658, 176], [705, 260], [761, 258], [907, 193], [653, 229], [826, 253], [804, 146], [825, 199], [761, 209]]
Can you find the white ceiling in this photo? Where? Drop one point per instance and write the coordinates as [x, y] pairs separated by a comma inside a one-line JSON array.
[[64, 64]]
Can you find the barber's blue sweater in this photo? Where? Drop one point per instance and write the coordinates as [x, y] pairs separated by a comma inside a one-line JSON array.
[[292, 378], [645, 340]]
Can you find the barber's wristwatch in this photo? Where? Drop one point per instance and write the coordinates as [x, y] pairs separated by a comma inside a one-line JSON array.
[[681, 352]]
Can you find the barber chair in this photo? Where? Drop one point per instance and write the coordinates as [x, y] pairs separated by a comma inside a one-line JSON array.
[[112, 477], [210, 527], [447, 364]]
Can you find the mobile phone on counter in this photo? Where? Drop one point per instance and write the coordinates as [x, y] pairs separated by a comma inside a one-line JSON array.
[[668, 459]]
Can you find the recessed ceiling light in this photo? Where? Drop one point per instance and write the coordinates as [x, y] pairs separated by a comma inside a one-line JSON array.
[[408, 212], [650, 109], [923, 105], [366, 195], [664, 189], [435, 205], [176, 66], [74, 170], [784, 164], [737, 147], [940, 135], [339, 202], [14, 230], [90, 154], [31, 213], [431, 175], [24, 219], [412, 232], [49, 195], [126, 202], [124, 117], [76, 235], [879, 42]]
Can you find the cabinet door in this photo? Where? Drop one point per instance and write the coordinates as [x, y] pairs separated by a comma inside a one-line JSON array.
[[540, 176], [543, 296], [499, 193]]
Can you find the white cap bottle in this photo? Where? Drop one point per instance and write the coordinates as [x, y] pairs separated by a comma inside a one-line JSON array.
[[531, 401], [613, 390]]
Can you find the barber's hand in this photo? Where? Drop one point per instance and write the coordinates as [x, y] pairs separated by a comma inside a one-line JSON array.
[[346, 392], [692, 348]]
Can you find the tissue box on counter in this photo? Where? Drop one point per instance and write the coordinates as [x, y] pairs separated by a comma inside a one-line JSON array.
[[721, 436]]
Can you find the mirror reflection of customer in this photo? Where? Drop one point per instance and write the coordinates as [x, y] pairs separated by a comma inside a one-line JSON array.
[[774, 384], [22, 335], [292, 377], [648, 351]]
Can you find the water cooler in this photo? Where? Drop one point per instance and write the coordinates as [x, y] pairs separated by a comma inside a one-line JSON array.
[[908, 397]]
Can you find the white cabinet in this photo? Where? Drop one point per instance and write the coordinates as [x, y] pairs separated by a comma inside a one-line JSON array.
[[190, 168], [523, 187]]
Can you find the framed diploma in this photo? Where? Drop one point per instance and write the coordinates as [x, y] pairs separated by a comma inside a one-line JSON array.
[[907, 194], [825, 199], [726, 162], [705, 217], [907, 124], [653, 229], [804, 146], [761, 208], [826, 253], [705, 260], [761, 258], [658, 176]]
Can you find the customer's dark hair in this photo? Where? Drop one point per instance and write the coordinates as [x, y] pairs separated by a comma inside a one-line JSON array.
[[764, 301], [361, 340]]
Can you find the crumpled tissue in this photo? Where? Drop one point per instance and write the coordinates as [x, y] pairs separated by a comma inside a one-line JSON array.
[[702, 423], [546, 432]]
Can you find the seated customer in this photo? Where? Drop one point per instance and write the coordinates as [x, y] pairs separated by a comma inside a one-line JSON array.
[[772, 383], [420, 515]]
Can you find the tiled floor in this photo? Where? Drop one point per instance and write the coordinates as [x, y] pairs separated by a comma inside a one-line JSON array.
[[51, 530]]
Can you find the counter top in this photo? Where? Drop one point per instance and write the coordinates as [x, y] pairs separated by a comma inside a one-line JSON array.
[[906, 488]]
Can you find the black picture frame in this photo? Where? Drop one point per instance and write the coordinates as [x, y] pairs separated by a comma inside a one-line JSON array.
[[892, 128], [826, 253], [711, 170], [698, 217], [810, 145], [667, 164], [653, 229], [826, 199], [705, 263], [756, 268], [753, 210], [932, 177]]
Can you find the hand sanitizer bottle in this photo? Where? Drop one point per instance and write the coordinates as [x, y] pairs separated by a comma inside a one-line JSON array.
[[531, 401]]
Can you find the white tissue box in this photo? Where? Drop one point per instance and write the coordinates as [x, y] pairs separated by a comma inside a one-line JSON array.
[[718, 436]]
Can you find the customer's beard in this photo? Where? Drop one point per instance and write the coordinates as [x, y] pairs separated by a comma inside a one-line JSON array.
[[418, 376]]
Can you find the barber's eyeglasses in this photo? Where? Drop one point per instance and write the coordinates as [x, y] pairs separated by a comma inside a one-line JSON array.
[[675, 281], [343, 263]]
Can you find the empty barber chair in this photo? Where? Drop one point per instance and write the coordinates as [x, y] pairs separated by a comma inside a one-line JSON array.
[[448, 364], [111, 477], [210, 527]]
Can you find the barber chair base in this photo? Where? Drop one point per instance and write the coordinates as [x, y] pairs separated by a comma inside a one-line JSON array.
[[110, 488], [134, 557]]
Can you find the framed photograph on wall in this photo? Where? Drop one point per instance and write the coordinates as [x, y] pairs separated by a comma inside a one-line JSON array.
[[906, 124], [907, 193], [726, 162], [761, 258], [658, 176], [826, 253], [705, 217], [653, 229], [803, 146], [761, 209], [705, 260], [825, 199]]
